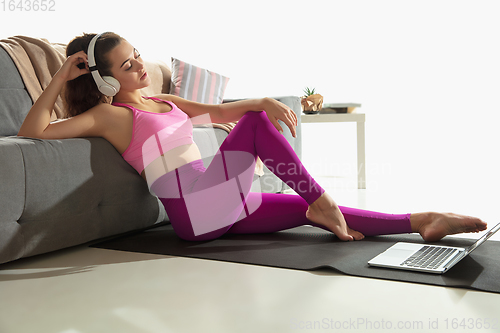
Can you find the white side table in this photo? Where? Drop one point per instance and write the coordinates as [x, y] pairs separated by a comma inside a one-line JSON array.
[[359, 118]]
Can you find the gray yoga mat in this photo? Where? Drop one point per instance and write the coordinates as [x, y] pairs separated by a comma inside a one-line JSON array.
[[307, 248]]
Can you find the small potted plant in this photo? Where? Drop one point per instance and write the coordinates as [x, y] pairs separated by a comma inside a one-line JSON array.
[[311, 102]]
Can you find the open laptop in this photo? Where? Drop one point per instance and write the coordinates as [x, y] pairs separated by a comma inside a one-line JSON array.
[[426, 258]]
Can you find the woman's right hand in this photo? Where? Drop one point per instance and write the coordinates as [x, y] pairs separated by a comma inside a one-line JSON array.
[[70, 70], [37, 121]]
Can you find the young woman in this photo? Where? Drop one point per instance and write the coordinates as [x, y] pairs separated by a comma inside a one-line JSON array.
[[154, 134]]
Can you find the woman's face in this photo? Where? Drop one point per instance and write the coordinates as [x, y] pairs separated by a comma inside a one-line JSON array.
[[128, 67]]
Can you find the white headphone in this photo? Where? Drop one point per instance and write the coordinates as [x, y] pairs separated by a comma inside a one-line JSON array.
[[107, 85]]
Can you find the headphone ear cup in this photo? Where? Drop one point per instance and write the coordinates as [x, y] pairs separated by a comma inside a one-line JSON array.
[[107, 85], [112, 88]]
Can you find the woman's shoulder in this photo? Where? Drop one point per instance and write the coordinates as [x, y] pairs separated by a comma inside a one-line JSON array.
[[107, 117], [114, 124], [104, 107], [106, 110], [167, 97]]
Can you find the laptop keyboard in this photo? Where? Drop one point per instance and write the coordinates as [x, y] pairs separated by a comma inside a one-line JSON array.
[[428, 257]]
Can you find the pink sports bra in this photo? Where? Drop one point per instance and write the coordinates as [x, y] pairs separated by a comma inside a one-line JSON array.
[[156, 133]]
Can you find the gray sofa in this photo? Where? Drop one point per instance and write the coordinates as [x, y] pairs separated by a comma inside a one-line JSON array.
[[60, 193]]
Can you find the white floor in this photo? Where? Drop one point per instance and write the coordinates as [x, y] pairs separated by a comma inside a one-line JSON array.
[[83, 289], [88, 290]]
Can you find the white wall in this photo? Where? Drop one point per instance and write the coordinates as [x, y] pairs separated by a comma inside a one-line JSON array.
[[426, 72]]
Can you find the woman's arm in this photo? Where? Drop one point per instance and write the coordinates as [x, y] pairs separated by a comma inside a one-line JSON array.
[[37, 122], [38, 118], [230, 112]]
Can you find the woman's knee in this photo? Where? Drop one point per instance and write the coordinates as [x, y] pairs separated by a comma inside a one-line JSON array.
[[255, 116]]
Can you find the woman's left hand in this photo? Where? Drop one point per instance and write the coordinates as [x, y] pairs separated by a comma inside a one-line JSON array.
[[276, 110]]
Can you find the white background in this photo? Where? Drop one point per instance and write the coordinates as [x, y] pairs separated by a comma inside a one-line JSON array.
[[426, 73]]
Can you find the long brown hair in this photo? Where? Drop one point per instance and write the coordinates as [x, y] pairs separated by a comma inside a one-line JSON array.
[[81, 94]]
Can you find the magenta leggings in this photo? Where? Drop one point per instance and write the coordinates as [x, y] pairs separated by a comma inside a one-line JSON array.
[[205, 203]]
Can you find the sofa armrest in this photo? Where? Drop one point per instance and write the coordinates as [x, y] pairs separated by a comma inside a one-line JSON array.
[[293, 102]]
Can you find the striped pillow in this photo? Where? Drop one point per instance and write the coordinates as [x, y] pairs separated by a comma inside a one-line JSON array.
[[197, 84]]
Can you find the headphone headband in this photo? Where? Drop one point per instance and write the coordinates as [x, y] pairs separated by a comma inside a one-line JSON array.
[[107, 85], [90, 53]]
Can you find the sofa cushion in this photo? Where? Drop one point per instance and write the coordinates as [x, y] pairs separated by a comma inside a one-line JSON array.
[[70, 192], [12, 200], [13, 181], [160, 76], [197, 84], [15, 101], [208, 141]]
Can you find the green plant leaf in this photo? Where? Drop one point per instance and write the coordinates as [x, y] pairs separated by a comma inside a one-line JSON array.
[[309, 92]]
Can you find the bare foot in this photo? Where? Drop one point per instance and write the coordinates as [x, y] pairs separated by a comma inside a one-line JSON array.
[[325, 212], [434, 226]]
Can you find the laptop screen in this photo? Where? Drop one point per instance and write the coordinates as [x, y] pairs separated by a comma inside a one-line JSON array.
[[483, 239]]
